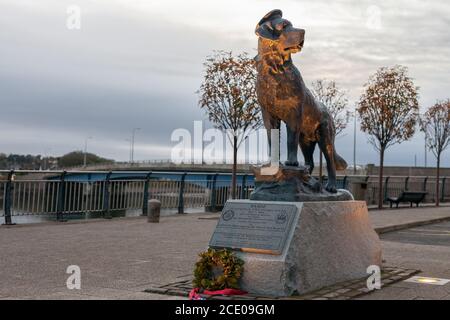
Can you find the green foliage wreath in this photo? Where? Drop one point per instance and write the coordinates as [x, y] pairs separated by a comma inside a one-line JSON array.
[[232, 270]]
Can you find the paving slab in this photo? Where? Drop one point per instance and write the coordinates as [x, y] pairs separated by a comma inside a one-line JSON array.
[[345, 290], [119, 258], [388, 220], [116, 254], [417, 248]]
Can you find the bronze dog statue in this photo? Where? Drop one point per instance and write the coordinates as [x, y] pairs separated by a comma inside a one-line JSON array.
[[283, 96]]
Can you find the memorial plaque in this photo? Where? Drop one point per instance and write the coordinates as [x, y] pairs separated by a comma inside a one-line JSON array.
[[254, 227]]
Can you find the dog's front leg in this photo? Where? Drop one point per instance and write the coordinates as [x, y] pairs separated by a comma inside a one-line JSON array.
[[326, 144], [292, 144]]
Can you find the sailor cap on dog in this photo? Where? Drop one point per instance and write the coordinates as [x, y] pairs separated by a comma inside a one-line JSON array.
[[265, 27], [272, 15]]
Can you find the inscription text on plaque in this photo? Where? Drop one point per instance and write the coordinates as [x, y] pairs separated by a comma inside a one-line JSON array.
[[254, 227]]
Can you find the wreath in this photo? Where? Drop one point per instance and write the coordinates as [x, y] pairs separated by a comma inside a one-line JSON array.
[[204, 277]]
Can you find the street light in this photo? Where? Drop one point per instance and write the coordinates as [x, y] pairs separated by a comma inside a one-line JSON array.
[[129, 149], [354, 143], [85, 151], [133, 134]]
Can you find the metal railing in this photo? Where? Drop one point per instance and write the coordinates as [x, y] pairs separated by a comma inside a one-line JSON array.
[[57, 194], [394, 185]]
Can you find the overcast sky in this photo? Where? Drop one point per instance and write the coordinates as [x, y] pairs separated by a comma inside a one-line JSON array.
[[137, 63]]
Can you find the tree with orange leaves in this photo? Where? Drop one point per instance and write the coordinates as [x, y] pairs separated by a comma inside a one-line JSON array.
[[388, 110], [435, 123], [228, 95]]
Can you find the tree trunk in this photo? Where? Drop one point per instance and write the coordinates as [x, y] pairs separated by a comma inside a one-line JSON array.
[[438, 165], [233, 174], [380, 180], [320, 167]]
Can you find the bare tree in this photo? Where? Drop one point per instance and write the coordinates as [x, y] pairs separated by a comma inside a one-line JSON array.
[[336, 101], [435, 123], [388, 110], [228, 95]]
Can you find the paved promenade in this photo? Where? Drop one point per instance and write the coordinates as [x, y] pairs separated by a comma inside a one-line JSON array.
[[120, 258]]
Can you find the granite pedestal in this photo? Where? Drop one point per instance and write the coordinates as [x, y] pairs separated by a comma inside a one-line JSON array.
[[325, 243]]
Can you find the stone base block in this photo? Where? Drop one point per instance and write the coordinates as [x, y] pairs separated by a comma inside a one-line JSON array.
[[330, 242]]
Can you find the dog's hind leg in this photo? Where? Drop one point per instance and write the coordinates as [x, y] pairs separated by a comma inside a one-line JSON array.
[[326, 144], [308, 148], [292, 144]]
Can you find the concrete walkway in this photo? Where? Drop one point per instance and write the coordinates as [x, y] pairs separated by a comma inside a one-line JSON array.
[[425, 248], [122, 257], [395, 219]]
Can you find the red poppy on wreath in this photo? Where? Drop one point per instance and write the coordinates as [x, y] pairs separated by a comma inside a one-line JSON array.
[[217, 273]]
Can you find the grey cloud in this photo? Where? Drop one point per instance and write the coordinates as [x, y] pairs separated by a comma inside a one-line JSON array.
[[126, 68]]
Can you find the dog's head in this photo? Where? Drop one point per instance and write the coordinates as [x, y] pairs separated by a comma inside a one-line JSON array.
[[276, 33]]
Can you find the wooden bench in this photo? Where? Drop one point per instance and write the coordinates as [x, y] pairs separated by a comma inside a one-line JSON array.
[[408, 196]]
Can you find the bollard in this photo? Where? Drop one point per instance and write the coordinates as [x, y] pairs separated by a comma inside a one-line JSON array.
[[154, 209], [7, 202], [181, 194]]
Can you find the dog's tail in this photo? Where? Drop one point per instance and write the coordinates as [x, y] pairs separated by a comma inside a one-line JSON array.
[[341, 164]]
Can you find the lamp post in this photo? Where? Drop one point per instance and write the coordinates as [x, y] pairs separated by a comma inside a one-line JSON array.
[[85, 151], [354, 143], [129, 149], [133, 134]]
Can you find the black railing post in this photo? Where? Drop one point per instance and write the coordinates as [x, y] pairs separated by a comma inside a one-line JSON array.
[[181, 194], [213, 205], [443, 189], [344, 182], [106, 196], [7, 202], [406, 183], [244, 184], [61, 196], [146, 194]]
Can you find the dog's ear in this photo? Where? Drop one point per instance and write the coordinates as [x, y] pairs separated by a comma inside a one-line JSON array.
[[264, 27], [266, 31]]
